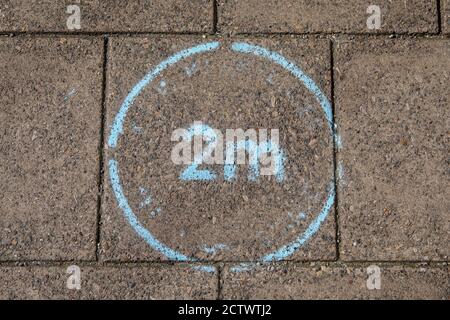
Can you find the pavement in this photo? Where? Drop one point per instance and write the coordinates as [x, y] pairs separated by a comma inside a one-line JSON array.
[[94, 206]]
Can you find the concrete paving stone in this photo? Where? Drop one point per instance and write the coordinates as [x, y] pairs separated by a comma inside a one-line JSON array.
[[445, 16], [217, 220], [332, 282], [116, 282], [304, 16], [108, 16], [392, 108], [50, 108], [336, 283]]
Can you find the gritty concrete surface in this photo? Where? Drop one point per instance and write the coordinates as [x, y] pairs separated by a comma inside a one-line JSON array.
[[116, 282], [107, 16], [393, 111], [217, 220], [50, 107], [118, 209], [445, 16], [317, 16], [334, 282]]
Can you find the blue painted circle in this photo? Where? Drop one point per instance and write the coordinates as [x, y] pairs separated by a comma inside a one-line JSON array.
[[117, 129]]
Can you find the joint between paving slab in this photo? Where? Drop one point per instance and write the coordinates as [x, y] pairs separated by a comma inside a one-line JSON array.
[[220, 267], [306, 35], [96, 33], [327, 34], [354, 264], [215, 17], [101, 146], [219, 282], [439, 17], [335, 166]]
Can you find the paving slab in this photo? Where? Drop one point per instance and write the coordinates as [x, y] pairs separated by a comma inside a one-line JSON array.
[[115, 282], [151, 212], [50, 110], [445, 16], [107, 16], [303, 16], [332, 282], [392, 107]]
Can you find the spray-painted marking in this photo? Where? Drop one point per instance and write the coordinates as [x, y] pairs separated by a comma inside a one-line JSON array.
[[269, 79], [117, 129], [136, 128], [209, 269], [192, 173], [162, 87], [70, 94], [147, 198], [292, 68], [191, 70], [155, 212], [132, 219], [289, 249], [296, 219], [217, 247], [255, 151], [242, 267]]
